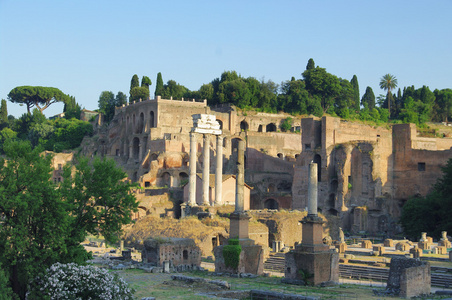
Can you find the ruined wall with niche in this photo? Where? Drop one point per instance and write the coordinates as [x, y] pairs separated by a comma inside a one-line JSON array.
[[367, 173]]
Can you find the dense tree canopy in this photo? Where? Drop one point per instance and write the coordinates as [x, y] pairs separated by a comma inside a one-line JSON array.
[[37, 96], [159, 85], [42, 224], [388, 82]]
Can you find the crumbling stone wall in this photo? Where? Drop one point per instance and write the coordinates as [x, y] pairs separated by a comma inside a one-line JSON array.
[[178, 251], [409, 277]]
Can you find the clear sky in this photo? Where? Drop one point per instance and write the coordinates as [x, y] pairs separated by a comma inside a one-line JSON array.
[[85, 47]]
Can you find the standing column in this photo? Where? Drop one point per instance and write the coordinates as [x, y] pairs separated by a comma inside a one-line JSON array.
[[219, 172], [205, 169], [192, 166], [239, 196], [312, 190]]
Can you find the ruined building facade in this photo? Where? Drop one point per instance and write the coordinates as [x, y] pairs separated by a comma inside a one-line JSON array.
[[366, 173]]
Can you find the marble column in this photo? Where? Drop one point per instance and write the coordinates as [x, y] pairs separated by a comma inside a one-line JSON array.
[[219, 172], [312, 190], [192, 167], [205, 169], [240, 180]]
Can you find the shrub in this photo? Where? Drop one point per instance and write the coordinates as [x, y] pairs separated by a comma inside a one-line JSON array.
[[231, 254], [72, 281]]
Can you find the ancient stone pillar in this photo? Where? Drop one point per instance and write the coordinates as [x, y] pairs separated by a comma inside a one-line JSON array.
[[192, 167], [219, 172], [205, 169], [240, 182], [312, 190]]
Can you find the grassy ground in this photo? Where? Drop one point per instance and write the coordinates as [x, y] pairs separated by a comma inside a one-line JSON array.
[[162, 287]]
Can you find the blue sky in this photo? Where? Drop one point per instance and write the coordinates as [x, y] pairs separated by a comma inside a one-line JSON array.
[[86, 47]]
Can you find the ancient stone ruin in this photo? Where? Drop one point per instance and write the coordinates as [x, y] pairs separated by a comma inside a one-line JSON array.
[[169, 253], [409, 277]]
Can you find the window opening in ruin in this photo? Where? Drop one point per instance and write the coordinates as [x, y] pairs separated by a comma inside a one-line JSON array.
[[332, 200], [147, 184], [280, 155], [221, 124], [318, 161], [136, 148], [307, 146], [60, 167], [140, 124], [259, 129], [151, 119], [271, 127], [421, 166], [243, 126], [117, 152]]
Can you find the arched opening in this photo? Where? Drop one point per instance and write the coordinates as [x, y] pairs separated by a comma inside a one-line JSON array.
[[234, 144], [140, 125], [318, 161], [151, 119], [185, 254], [183, 178], [334, 186], [133, 122], [271, 204], [135, 148], [221, 124], [280, 155], [271, 188], [271, 127], [243, 126], [332, 200], [166, 179], [259, 129], [332, 212]]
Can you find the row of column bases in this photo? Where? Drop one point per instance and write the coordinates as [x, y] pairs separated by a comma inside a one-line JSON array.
[[240, 179]]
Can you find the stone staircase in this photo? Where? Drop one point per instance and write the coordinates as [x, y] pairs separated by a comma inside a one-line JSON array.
[[275, 262]]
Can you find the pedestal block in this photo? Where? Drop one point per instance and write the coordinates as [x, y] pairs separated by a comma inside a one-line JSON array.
[[239, 225]]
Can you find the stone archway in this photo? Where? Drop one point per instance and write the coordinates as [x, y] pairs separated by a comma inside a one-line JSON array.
[[244, 126], [271, 204], [271, 127], [135, 147]]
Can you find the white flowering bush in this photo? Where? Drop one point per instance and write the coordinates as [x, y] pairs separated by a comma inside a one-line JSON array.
[[72, 281]]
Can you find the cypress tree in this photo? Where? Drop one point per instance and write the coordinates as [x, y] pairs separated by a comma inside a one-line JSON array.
[[135, 82], [368, 98], [3, 113], [310, 65], [355, 86], [159, 85]]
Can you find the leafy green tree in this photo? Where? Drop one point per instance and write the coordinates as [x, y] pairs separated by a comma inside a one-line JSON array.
[[268, 96], [206, 91], [293, 97], [42, 224], [107, 103], [356, 98], [120, 99], [146, 82], [37, 96], [67, 134], [34, 218], [310, 65], [138, 93], [173, 89], [134, 83], [99, 189], [159, 85], [368, 99], [6, 134], [388, 82], [444, 102]]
